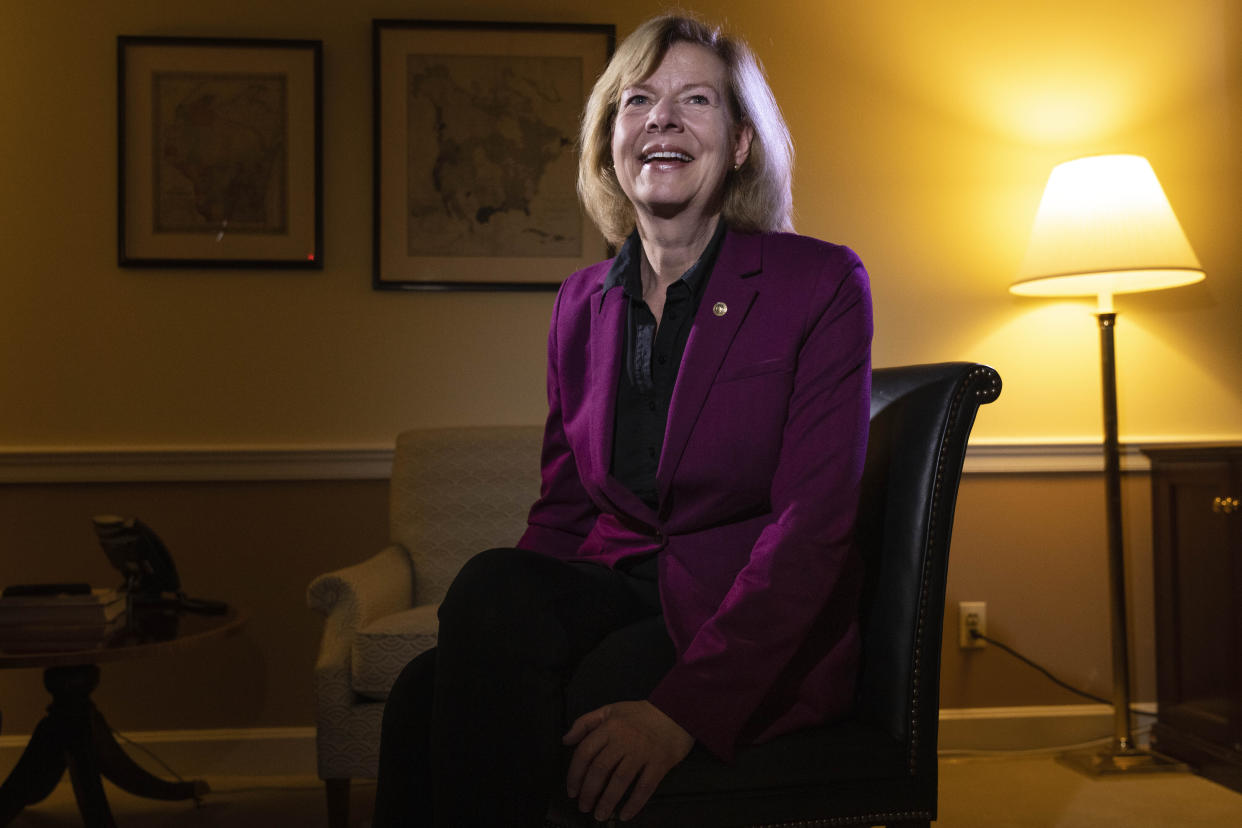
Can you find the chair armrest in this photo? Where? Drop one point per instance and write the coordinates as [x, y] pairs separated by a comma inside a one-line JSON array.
[[350, 599], [357, 595]]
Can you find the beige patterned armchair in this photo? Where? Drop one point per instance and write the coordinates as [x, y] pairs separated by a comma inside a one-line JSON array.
[[454, 492]]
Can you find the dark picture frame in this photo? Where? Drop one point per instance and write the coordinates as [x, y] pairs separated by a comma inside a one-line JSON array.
[[475, 162], [220, 152]]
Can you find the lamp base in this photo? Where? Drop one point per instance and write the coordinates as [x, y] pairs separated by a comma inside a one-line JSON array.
[[1115, 761]]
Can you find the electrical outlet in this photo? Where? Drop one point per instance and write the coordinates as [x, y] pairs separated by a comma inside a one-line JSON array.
[[971, 615]]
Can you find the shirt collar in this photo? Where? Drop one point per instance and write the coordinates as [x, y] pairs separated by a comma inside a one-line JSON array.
[[625, 267]]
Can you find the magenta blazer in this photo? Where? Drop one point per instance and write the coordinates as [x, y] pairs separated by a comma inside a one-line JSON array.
[[758, 479]]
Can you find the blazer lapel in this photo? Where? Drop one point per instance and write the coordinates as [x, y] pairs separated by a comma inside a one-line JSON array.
[[607, 319], [726, 301], [607, 345]]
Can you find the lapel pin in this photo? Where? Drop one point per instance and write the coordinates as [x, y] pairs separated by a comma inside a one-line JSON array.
[[720, 308]]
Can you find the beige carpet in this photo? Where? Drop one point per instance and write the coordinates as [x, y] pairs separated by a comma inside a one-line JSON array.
[[235, 802], [1037, 792], [1025, 792]]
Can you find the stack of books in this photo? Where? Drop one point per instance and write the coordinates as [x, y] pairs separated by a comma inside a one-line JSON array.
[[60, 622]]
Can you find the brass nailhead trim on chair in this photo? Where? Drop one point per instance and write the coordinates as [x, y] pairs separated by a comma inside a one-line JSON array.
[[984, 395]]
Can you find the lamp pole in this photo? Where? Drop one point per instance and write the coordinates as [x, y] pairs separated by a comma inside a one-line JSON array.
[[1123, 756], [1122, 740]]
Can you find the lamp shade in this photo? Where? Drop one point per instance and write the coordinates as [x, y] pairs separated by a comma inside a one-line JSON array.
[[1104, 226]]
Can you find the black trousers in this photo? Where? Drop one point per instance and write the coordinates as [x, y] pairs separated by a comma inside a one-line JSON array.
[[472, 729]]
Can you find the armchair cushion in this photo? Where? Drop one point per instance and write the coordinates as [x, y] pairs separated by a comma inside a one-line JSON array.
[[383, 648]]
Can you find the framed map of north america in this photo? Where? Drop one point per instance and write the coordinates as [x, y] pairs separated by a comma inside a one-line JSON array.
[[475, 160]]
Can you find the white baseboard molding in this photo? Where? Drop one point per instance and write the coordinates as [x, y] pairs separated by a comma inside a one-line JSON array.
[[1030, 727], [290, 751], [272, 751], [242, 463]]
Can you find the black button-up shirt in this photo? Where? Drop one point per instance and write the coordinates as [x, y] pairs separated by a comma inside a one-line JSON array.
[[651, 361]]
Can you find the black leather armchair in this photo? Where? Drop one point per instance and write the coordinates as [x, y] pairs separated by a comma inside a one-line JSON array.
[[877, 766]]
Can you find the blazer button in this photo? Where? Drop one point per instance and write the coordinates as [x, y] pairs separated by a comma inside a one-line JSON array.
[[720, 308]]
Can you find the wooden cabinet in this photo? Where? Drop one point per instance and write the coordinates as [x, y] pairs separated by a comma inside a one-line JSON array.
[[1198, 579]]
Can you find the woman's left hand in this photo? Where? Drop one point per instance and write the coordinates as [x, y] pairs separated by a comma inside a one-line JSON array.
[[617, 744]]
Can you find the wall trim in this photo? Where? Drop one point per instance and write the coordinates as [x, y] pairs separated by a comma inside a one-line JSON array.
[[1030, 727], [242, 463], [290, 751]]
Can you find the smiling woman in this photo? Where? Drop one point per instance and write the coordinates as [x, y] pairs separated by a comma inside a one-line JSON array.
[[757, 197], [675, 139], [687, 575]]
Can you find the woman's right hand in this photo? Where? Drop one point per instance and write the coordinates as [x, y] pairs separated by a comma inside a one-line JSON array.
[[617, 744]]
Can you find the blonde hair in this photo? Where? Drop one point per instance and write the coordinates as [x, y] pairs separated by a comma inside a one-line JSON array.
[[758, 196]]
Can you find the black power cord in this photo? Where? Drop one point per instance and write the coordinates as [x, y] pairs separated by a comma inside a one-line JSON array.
[[198, 799], [975, 634], [148, 752]]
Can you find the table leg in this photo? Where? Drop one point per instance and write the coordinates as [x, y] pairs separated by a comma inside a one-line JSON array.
[[71, 709], [74, 735], [36, 773], [87, 786]]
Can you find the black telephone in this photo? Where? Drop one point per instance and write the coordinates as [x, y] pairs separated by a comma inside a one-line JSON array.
[[143, 560]]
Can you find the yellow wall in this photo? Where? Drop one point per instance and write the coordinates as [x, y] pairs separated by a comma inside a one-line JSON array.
[[925, 133]]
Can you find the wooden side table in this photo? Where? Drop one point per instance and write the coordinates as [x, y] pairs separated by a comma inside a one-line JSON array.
[[1198, 578], [74, 735]]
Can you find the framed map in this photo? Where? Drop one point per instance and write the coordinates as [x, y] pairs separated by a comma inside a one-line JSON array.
[[220, 159], [476, 127]]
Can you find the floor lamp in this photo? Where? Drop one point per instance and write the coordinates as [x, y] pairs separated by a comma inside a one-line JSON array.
[[1104, 227]]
